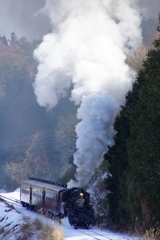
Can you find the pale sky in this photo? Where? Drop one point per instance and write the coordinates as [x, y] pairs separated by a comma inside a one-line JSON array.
[[19, 16]]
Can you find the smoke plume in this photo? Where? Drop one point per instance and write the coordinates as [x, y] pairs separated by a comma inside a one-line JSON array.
[[86, 53]]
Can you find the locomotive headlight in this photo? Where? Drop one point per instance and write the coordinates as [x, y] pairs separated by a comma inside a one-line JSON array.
[[81, 194]]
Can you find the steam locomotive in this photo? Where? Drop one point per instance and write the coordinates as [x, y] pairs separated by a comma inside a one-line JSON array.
[[56, 200]]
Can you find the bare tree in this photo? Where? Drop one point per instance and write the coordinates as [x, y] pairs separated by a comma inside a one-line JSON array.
[[34, 164], [136, 58], [65, 138]]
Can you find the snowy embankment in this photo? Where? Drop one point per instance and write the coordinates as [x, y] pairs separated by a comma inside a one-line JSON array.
[[13, 216]]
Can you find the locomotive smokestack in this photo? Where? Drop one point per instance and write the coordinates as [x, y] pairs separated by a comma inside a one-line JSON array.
[[86, 51]]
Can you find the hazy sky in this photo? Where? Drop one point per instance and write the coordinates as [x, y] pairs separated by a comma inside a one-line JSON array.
[[152, 7], [20, 16]]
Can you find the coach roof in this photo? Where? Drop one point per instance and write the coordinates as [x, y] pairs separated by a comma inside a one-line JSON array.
[[42, 184]]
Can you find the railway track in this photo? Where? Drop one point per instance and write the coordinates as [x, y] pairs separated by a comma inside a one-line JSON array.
[[94, 234], [10, 200]]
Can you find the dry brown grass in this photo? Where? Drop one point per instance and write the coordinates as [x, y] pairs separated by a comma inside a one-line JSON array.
[[51, 233], [152, 234], [37, 224], [26, 231]]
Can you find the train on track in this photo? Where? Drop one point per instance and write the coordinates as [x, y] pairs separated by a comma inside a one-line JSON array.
[[57, 200]]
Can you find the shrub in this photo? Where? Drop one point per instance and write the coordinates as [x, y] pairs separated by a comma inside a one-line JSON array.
[[51, 233], [1, 230], [26, 231], [152, 234], [37, 224]]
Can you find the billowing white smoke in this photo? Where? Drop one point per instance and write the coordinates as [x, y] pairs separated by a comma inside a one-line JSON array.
[[86, 52]]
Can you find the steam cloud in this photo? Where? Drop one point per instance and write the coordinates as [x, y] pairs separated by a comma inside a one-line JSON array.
[[86, 53]]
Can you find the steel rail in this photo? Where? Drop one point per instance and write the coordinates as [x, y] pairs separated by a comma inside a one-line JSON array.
[[98, 237]]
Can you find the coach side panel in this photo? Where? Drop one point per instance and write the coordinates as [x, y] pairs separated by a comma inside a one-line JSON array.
[[37, 196], [51, 201]]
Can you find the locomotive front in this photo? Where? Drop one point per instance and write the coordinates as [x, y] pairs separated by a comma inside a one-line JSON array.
[[80, 212], [81, 203]]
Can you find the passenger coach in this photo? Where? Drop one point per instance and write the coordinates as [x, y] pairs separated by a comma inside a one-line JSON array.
[[41, 194]]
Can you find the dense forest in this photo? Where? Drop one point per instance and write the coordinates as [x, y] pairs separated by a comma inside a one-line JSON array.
[[31, 139], [134, 161]]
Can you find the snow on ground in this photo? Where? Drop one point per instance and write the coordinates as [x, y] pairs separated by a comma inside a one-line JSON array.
[[12, 218], [71, 234], [9, 221]]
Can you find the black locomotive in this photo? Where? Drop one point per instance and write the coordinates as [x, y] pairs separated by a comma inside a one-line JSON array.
[[77, 207], [56, 200]]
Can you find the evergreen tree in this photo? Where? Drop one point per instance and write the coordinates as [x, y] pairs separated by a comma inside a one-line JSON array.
[[143, 143], [134, 160]]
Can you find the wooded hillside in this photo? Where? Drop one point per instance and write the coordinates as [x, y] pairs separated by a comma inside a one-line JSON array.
[[29, 145]]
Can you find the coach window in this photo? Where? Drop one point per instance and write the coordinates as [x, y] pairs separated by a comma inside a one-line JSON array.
[[25, 189], [49, 196], [54, 197]]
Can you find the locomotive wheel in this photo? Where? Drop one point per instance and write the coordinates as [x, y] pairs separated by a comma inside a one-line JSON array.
[[44, 212], [31, 207], [70, 221], [61, 215], [87, 226], [35, 209], [27, 206], [23, 204], [51, 215]]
